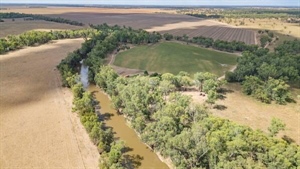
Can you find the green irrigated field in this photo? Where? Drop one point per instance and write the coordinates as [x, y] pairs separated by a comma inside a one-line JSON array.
[[174, 57]]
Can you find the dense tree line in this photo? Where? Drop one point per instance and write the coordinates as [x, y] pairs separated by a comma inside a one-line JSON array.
[[233, 46], [264, 74], [221, 45], [13, 15], [31, 38], [205, 16], [260, 13], [111, 151], [266, 37], [95, 50], [169, 123]]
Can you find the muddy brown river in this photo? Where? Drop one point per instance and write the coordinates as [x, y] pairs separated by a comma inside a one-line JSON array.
[[138, 154]]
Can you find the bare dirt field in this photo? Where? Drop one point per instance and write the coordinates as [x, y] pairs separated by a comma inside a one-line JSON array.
[[37, 128], [246, 110], [164, 21], [19, 26]]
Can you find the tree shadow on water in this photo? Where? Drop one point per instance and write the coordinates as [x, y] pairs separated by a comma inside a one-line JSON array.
[[105, 116], [132, 161], [127, 149]]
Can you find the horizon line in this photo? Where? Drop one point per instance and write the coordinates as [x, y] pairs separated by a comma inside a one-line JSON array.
[[83, 4]]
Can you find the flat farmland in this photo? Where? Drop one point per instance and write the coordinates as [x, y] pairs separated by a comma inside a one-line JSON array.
[[38, 128], [9, 27], [171, 57], [160, 20], [168, 23]]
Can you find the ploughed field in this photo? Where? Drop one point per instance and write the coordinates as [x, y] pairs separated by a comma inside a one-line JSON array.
[[168, 23], [174, 57], [151, 20]]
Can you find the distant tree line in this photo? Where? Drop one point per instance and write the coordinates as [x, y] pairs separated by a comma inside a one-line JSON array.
[[31, 38], [260, 13], [167, 120], [205, 16], [12, 15], [221, 45], [264, 74]]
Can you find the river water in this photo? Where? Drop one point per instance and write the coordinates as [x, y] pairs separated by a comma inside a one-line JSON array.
[[138, 155]]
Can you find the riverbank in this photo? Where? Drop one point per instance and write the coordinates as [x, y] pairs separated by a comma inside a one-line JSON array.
[[38, 129], [138, 152]]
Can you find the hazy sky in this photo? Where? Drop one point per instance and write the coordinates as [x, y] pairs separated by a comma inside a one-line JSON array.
[[294, 3]]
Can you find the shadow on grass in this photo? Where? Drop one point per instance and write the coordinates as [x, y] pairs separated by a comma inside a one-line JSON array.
[[225, 91], [220, 107], [221, 97], [288, 139], [290, 100]]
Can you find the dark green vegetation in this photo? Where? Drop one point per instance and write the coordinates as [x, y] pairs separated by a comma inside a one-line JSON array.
[[110, 150], [188, 133], [290, 15], [261, 13], [13, 15], [266, 37], [204, 16], [264, 74], [221, 45], [31, 38], [174, 57], [168, 121]]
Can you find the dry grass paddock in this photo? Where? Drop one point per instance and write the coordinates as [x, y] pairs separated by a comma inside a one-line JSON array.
[[37, 126], [291, 29], [247, 111]]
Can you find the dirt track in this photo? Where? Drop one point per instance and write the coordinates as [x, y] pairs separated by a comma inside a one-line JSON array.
[[37, 128]]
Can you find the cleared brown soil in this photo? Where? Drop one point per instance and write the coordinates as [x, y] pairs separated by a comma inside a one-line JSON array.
[[246, 110], [164, 21], [37, 127], [19, 26]]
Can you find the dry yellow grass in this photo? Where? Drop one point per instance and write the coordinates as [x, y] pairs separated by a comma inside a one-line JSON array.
[[245, 110], [37, 127], [187, 25], [248, 111], [292, 29], [19, 26]]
